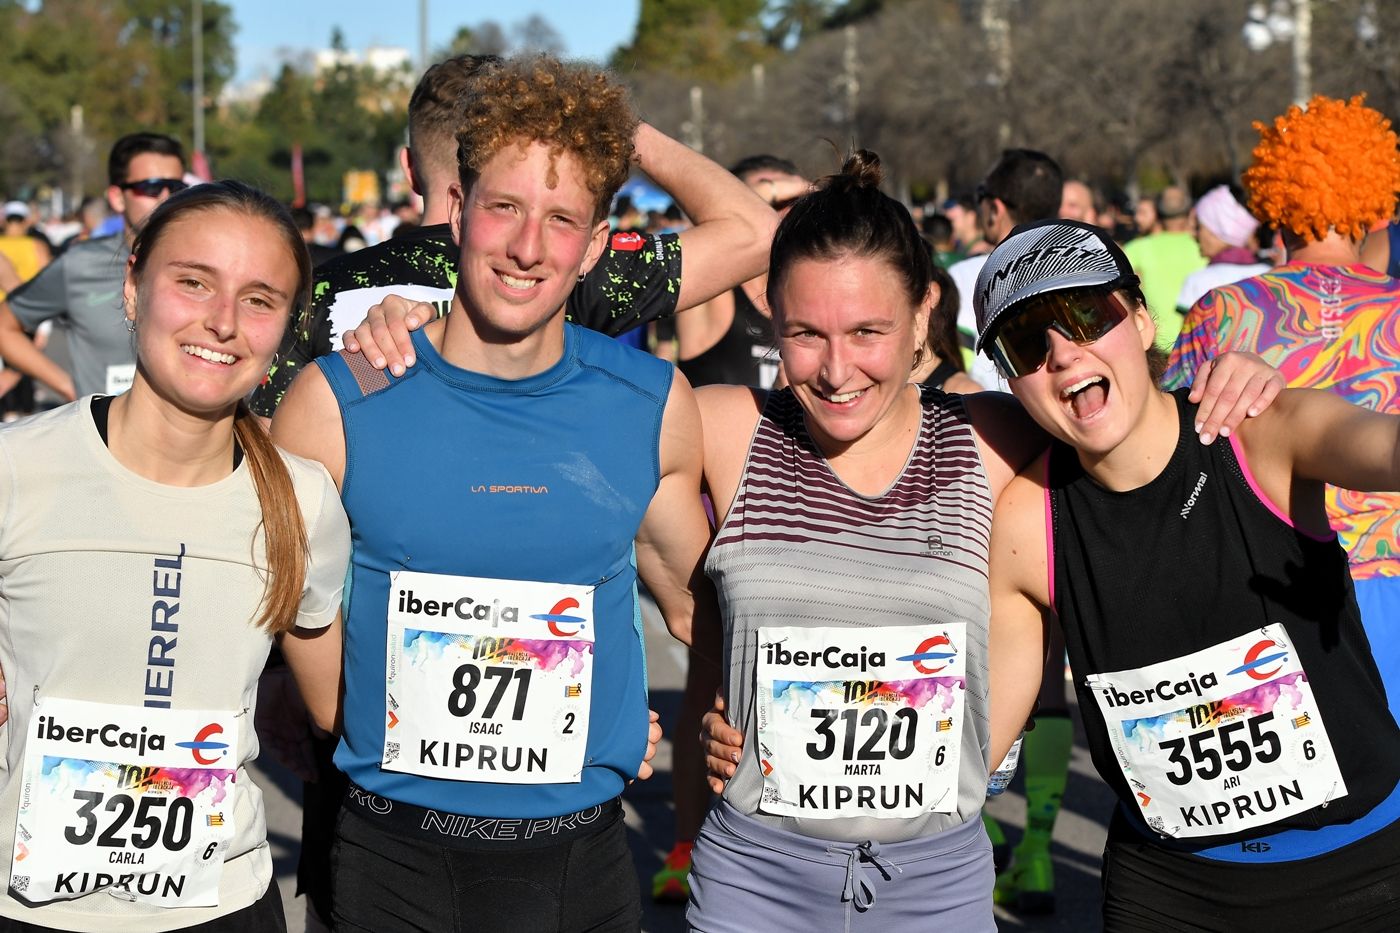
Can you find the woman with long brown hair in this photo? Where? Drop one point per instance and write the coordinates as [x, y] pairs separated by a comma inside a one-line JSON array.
[[152, 546]]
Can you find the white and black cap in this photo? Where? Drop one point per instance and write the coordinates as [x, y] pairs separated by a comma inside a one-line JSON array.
[[1045, 256]]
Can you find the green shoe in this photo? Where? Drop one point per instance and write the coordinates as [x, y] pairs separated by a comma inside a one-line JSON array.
[[671, 885], [1028, 887]]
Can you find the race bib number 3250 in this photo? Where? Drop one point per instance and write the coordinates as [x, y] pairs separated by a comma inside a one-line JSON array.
[[860, 722], [488, 680], [133, 801], [1222, 740]]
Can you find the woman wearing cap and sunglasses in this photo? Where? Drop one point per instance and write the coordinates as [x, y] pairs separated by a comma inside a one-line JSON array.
[[1227, 687]]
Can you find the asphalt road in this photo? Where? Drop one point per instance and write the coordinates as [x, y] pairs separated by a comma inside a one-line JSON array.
[[1078, 842]]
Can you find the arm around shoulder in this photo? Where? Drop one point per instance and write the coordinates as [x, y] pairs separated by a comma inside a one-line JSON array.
[[1007, 438]]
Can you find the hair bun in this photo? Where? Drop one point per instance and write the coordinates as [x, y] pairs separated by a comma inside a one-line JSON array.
[[863, 169]]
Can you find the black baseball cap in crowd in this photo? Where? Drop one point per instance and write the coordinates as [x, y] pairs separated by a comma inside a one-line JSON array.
[[1045, 256]]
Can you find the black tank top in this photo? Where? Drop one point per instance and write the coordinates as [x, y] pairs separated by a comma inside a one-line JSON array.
[[744, 356], [1191, 560]]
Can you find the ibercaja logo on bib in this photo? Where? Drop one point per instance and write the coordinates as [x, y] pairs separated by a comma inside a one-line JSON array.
[[1263, 660], [205, 740], [933, 655]]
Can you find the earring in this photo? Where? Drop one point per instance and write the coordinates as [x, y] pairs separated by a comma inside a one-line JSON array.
[[581, 276], [130, 326]]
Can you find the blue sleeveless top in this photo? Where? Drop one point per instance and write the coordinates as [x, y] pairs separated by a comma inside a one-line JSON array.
[[545, 478]]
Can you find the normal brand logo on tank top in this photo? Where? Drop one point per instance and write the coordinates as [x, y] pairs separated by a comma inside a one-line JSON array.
[[1190, 502]]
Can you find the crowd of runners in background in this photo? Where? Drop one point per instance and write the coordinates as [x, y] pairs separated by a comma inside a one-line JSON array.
[[757, 405]]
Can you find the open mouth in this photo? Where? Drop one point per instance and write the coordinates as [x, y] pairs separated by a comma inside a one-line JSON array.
[[1087, 397], [517, 282], [841, 398], [204, 353]]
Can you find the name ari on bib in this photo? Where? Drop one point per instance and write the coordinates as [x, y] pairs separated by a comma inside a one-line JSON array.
[[131, 800], [488, 680], [1221, 741], [860, 722]]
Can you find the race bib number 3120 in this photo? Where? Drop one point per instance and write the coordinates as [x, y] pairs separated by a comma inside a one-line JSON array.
[[860, 722], [488, 680], [1223, 740], [134, 801]]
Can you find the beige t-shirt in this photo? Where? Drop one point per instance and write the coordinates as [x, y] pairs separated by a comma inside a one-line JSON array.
[[96, 566]]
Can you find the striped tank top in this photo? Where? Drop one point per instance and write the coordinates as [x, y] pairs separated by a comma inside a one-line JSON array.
[[801, 549]]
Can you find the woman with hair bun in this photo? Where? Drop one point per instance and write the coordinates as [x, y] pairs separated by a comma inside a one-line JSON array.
[[850, 561], [152, 546]]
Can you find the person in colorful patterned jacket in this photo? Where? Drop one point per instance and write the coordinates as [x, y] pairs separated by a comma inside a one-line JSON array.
[[1324, 319]]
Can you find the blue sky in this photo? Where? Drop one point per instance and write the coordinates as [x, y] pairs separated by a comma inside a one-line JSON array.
[[265, 27]]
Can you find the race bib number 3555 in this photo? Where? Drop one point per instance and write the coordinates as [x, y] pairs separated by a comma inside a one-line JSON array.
[[134, 801], [1223, 740], [488, 680], [860, 722]]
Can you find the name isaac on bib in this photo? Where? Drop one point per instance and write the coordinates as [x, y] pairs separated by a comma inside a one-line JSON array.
[[1223, 740], [860, 722], [132, 800], [488, 680]]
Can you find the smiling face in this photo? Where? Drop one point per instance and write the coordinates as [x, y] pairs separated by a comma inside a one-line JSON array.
[[1093, 396], [524, 240], [213, 298], [848, 334]]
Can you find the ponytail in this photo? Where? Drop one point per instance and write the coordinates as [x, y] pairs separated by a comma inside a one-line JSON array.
[[284, 532]]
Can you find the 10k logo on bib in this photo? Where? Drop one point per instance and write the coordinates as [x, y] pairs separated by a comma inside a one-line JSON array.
[[488, 680], [1221, 741], [132, 800], [860, 722]]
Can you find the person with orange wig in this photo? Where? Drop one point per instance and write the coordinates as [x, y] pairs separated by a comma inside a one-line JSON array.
[[1324, 176]]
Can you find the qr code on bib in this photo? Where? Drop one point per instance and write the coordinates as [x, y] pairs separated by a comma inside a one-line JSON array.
[[19, 883], [391, 751]]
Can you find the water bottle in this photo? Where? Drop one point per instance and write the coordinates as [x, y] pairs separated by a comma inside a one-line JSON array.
[[1002, 776]]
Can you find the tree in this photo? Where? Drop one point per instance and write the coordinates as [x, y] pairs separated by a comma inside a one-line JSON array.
[[535, 34], [485, 38], [707, 40], [126, 63], [795, 20]]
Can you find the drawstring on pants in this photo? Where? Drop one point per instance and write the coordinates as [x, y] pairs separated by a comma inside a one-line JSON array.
[[858, 889]]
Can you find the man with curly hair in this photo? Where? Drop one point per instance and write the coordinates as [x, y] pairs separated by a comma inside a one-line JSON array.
[[495, 690], [1324, 176], [639, 279]]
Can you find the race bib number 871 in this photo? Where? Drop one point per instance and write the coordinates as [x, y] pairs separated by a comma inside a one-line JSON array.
[[860, 722], [488, 680], [134, 801], [1223, 740]]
